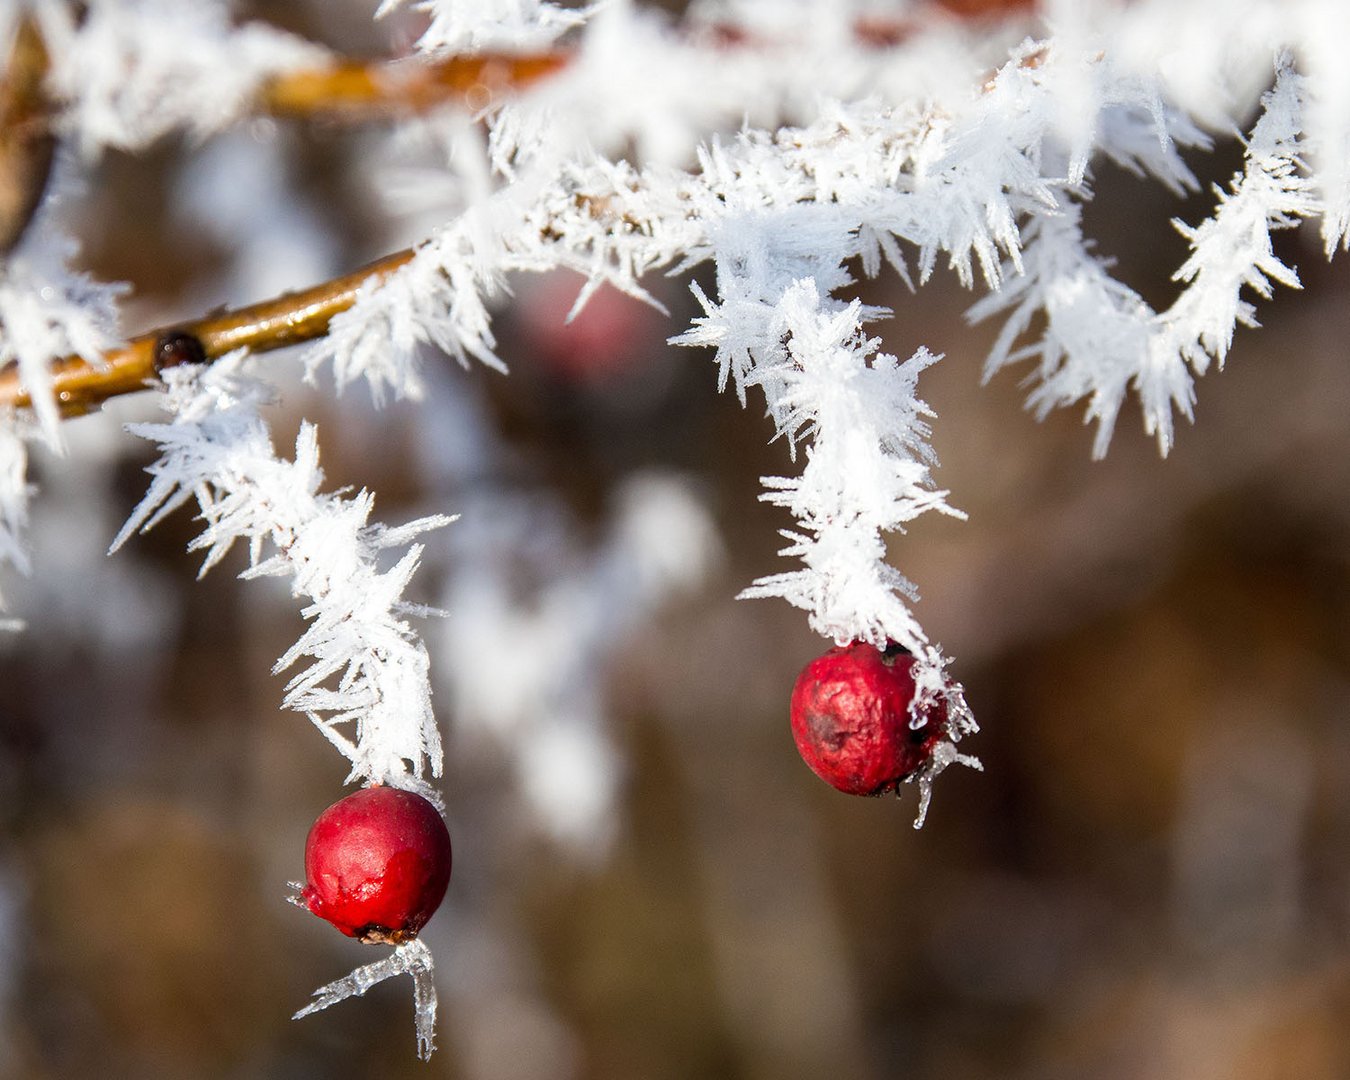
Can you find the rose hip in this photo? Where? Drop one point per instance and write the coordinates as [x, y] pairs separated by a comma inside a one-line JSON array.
[[851, 719], [377, 864]]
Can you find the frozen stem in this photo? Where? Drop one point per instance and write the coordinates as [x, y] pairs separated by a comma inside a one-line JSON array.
[[944, 755], [960, 722], [413, 959]]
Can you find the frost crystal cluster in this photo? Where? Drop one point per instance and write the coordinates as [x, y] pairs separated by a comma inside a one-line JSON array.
[[787, 147], [363, 677]]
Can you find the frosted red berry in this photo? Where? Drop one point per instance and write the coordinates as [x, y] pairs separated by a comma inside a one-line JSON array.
[[851, 719], [377, 864]]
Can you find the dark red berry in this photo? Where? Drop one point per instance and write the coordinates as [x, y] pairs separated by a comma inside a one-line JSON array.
[[377, 864], [852, 722]]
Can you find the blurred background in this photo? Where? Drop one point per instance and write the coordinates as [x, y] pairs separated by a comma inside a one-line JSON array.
[[1150, 879]]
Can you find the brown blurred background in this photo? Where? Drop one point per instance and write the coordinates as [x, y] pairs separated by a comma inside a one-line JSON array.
[[1150, 880]]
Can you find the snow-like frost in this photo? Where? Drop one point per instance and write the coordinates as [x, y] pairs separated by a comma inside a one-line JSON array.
[[923, 140], [1102, 339], [363, 675], [49, 311], [867, 466], [781, 215], [130, 71], [471, 25]]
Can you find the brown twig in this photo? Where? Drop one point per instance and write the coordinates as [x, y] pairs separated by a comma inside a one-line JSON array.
[[26, 140], [354, 91], [80, 386]]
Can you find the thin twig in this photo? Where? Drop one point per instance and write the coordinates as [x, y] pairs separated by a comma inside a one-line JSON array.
[[289, 319], [353, 91], [26, 140]]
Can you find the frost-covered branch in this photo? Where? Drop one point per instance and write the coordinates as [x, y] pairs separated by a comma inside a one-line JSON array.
[[355, 91], [794, 145], [1102, 339], [988, 181], [475, 56], [363, 673]]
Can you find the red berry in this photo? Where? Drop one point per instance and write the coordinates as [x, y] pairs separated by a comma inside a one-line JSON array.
[[852, 722], [606, 339], [377, 864]]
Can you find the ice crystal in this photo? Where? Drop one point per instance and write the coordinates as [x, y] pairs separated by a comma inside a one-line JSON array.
[[363, 674], [1101, 338], [413, 959], [49, 311], [130, 71], [468, 25]]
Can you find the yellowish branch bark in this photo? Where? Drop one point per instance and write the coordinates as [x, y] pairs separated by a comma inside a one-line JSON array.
[[354, 91], [289, 319], [26, 139]]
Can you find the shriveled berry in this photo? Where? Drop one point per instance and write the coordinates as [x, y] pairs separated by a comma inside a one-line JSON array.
[[377, 864], [852, 723]]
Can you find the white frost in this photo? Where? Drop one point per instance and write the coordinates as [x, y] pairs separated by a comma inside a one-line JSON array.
[[130, 71], [471, 25], [1101, 339], [363, 674], [793, 152]]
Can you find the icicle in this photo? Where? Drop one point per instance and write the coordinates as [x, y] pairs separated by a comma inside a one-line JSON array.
[[413, 959], [945, 754]]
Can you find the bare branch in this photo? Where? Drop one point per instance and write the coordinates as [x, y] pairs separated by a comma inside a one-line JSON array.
[[289, 319], [26, 139], [354, 91]]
